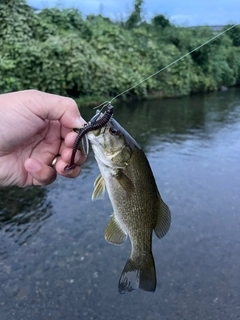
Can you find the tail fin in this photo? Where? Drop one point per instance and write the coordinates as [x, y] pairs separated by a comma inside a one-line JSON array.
[[137, 275]]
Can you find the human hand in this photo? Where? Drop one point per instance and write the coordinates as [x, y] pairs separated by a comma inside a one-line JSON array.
[[35, 127]]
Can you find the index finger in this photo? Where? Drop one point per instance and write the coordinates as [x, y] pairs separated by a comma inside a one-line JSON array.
[[55, 107]]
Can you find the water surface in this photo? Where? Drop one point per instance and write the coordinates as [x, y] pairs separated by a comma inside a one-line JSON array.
[[55, 263]]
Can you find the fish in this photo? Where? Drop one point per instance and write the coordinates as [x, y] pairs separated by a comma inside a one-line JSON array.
[[138, 208]]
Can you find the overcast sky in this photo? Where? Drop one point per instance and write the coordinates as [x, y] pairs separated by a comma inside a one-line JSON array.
[[184, 12]]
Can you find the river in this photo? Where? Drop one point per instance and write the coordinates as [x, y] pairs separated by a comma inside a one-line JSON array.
[[55, 263]]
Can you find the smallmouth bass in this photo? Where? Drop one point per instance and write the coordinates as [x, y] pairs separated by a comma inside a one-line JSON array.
[[136, 201]]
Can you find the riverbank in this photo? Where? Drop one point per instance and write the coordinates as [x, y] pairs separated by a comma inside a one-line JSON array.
[[90, 101], [59, 51]]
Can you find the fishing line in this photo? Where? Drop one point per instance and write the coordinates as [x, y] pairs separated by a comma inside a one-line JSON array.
[[169, 65], [98, 123], [103, 105]]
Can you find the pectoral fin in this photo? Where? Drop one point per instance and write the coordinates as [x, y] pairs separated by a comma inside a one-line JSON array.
[[163, 220], [114, 233], [99, 188]]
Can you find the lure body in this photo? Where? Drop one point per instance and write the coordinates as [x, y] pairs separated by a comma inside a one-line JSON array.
[[94, 124]]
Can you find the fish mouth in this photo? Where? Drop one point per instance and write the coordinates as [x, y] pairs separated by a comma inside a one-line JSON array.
[[114, 124]]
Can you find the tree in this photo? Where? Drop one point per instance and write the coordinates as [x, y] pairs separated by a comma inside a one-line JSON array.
[[234, 34], [135, 17], [160, 21]]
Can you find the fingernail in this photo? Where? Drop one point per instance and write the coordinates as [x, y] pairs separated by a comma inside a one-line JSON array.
[[69, 168], [80, 122]]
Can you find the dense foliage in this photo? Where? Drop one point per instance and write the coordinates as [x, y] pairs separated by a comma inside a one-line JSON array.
[[60, 52]]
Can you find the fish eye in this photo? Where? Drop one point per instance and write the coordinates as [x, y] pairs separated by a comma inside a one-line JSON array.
[[114, 131]]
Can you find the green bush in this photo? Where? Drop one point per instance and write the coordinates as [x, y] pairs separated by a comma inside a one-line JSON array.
[[60, 52]]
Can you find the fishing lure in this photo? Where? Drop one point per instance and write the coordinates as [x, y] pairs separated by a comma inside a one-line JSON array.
[[94, 124]]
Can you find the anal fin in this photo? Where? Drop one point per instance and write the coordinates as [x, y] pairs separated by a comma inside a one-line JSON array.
[[114, 233]]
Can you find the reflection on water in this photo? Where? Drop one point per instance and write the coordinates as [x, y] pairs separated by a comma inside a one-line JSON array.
[[22, 212], [67, 270]]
